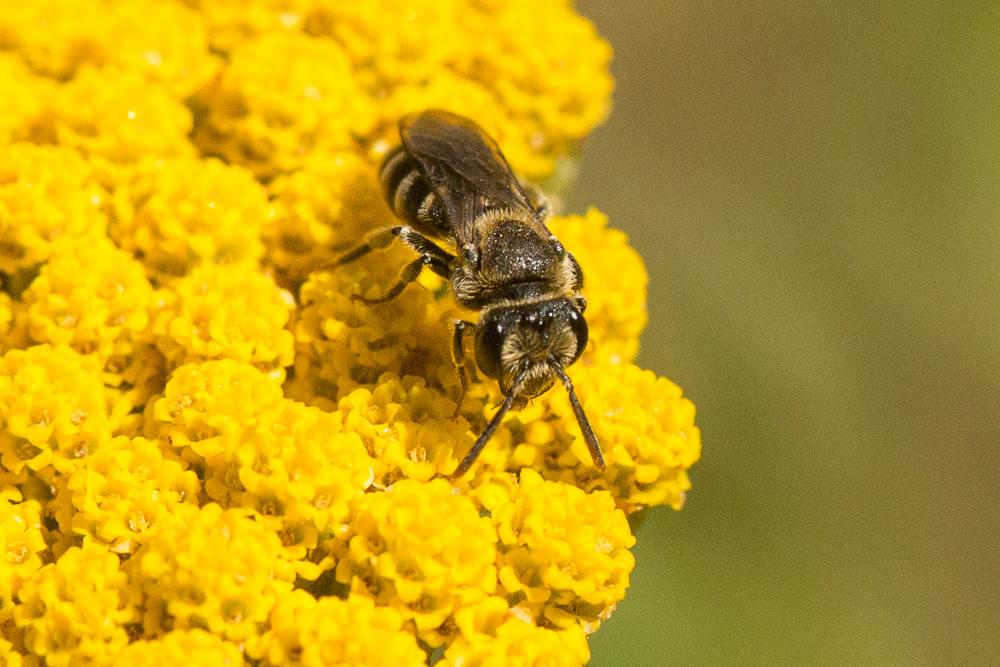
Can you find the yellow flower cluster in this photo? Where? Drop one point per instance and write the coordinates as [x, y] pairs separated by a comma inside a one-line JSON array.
[[226, 312], [492, 635], [22, 544], [178, 213], [53, 413], [74, 611], [210, 453], [331, 631], [123, 493], [564, 554], [208, 568], [46, 193], [421, 548], [194, 648]]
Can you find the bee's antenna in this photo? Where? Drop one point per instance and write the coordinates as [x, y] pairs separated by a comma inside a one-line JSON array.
[[491, 428], [581, 419]]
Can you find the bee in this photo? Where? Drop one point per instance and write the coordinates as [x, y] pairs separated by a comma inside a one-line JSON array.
[[471, 221]]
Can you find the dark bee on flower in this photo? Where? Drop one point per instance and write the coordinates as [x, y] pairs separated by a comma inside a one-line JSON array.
[[472, 222]]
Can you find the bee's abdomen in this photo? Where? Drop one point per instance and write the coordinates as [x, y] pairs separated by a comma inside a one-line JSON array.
[[409, 194]]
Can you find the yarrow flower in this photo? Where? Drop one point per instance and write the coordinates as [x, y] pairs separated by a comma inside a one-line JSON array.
[[118, 126], [52, 409], [210, 451], [494, 635], [179, 213], [234, 312], [93, 297], [195, 648], [281, 96], [122, 493], [330, 631], [74, 610], [422, 549], [209, 568], [22, 543], [563, 553], [46, 193]]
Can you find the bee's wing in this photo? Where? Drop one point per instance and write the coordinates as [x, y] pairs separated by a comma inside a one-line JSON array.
[[464, 166]]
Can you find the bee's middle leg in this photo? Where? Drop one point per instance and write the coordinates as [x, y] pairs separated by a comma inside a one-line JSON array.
[[431, 256], [381, 238], [408, 275]]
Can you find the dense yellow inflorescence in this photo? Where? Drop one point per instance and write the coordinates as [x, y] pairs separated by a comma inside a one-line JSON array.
[[210, 453]]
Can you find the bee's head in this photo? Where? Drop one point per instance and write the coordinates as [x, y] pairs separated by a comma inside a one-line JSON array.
[[522, 346], [527, 348]]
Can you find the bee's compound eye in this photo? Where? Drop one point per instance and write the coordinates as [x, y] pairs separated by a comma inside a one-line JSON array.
[[580, 330], [489, 344]]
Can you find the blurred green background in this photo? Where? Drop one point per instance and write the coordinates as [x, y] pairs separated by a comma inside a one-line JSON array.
[[816, 190]]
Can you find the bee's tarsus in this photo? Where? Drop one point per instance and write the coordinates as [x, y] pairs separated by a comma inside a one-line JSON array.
[[490, 429], [581, 419]]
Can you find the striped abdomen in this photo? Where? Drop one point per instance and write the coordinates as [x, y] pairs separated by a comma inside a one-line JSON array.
[[409, 194]]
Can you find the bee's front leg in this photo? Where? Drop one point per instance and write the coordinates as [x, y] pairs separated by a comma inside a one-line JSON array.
[[462, 328]]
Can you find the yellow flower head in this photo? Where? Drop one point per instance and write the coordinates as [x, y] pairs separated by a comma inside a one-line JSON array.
[[422, 549], [506, 638], [46, 193], [55, 37], [648, 434], [93, 297], [73, 611], [281, 96], [120, 494], [329, 203], [408, 427], [58, 37], [26, 99], [287, 463], [22, 544], [122, 123], [193, 648], [134, 39], [52, 408], [179, 213], [343, 344], [330, 631], [297, 473], [233, 22], [206, 406], [209, 568], [563, 554], [227, 312]]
